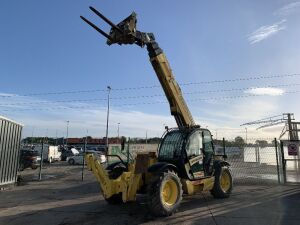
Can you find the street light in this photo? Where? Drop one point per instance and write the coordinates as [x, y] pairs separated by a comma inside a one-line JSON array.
[[32, 135], [118, 131], [246, 134], [67, 132], [107, 119]]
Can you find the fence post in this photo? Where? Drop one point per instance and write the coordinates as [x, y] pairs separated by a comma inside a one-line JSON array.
[[41, 162], [224, 149], [283, 162], [277, 161], [83, 158]]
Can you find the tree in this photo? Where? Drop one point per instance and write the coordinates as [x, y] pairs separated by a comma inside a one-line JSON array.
[[261, 143], [239, 140]]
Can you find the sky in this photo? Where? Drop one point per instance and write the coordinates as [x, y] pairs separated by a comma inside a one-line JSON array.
[[236, 62]]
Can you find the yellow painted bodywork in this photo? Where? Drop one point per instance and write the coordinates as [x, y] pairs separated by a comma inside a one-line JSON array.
[[178, 106], [129, 183], [192, 187], [169, 193]]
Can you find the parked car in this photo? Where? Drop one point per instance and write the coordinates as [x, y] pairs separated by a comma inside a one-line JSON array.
[[29, 158], [78, 159], [68, 153]]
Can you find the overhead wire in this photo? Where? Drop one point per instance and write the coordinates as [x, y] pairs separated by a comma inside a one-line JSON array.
[[153, 86], [148, 96], [148, 103]]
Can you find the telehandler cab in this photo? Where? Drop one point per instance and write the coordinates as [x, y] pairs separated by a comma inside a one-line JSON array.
[[185, 162]]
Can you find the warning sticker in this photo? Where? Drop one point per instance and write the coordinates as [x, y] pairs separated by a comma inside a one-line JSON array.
[[293, 148]]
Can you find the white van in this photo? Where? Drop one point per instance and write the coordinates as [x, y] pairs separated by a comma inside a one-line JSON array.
[[50, 153]]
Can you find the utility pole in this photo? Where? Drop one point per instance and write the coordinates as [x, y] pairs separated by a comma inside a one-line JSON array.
[[84, 151], [290, 127], [32, 135], [107, 119], [118, 131], [67, 133], [56, 137]]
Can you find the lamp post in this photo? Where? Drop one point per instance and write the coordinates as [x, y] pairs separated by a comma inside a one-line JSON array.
[[107, 118], [32, 135], [67, 133], [246, 134], [118, 131]]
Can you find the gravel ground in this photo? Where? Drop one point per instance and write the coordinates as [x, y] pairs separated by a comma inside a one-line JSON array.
[[62, 198]]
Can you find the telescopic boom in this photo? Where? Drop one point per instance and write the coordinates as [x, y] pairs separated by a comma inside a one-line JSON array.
[[125, 33]]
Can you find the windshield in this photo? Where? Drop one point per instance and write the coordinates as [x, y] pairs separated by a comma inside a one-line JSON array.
[[171, 145]]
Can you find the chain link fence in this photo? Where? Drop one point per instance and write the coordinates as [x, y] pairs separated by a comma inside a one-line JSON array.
[[255, 162]]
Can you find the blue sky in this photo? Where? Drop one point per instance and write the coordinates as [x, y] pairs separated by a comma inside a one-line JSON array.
[[45, 47]]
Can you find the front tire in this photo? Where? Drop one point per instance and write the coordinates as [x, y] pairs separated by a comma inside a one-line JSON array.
[[223, 183], [164, 194]]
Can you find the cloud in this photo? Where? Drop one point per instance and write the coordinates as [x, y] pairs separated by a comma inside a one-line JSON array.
[[265, 32], [265, 91], [240, 111], [48, 117], [7, 95], [288, 9]]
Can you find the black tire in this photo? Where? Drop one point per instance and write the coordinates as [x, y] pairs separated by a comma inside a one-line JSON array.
[[115, 199], [34, 167], [221, 189], [115, 170], [71, 161], [155, 200]]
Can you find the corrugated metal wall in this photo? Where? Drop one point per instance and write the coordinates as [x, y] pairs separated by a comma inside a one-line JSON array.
[[10, 139]]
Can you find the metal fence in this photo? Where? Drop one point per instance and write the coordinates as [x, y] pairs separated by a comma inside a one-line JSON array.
[[253, 163], [10, 138]]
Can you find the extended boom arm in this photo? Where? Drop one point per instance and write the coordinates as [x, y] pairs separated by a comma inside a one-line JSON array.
[[125, 33]]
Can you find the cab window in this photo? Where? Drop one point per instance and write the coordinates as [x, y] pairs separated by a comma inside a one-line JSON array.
[[194, 146], [207, 142]]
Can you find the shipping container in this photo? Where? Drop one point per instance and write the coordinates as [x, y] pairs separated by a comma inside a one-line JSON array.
[[10, 140]]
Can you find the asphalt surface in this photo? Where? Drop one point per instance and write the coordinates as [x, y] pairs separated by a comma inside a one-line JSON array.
[[62, 198]]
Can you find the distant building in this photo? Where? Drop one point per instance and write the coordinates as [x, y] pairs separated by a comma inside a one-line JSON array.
[[93, 141]]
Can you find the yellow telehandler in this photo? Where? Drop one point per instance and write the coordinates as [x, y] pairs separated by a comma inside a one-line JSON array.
[[185, 161]]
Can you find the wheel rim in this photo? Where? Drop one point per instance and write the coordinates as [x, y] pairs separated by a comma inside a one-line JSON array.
[[225, 181], [169, 193]]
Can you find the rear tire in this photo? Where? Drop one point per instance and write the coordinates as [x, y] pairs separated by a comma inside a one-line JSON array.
[[164, 194], [115, 170], [223, 183]]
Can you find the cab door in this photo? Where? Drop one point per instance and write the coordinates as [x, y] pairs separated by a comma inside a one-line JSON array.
[[194, 150], [208, 150]]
